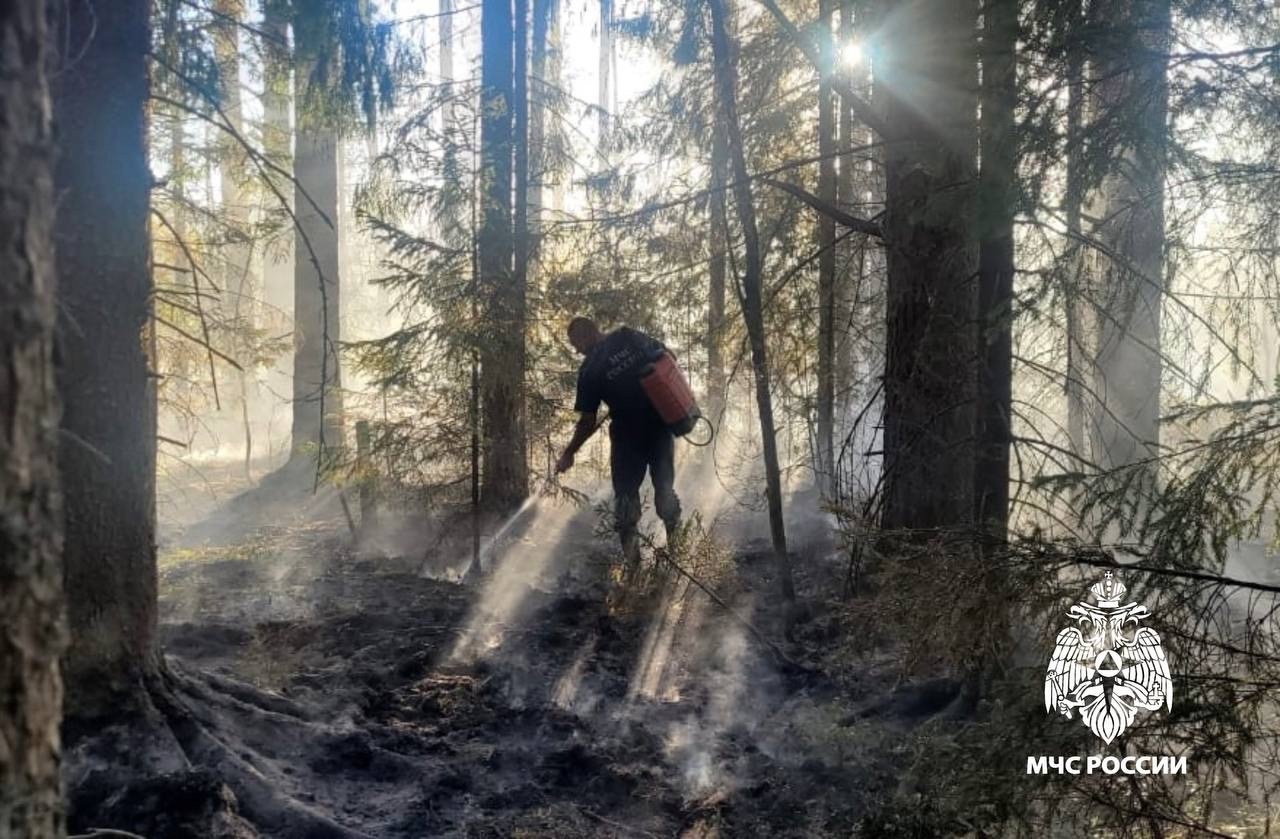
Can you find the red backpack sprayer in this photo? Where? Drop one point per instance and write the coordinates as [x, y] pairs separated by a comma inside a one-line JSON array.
[[669, 393]]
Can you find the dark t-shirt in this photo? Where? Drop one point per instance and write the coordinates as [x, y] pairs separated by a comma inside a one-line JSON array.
[[611, 374]]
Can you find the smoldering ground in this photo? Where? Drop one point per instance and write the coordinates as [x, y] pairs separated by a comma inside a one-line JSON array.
[[546, 698]]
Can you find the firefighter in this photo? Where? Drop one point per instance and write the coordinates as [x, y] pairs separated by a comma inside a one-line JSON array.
[[639, 440]]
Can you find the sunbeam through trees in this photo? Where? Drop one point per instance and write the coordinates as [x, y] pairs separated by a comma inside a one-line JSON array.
[[712, 418]]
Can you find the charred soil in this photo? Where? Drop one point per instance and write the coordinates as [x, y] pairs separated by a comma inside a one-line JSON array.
[[364, 694]]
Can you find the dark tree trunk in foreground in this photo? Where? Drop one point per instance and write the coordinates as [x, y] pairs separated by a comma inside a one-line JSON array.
[[927, 84], [31, 628], [317, 400], [1132, 97], [996, 199], [752, 279], [108, 453], [502, 349], [825, 461]]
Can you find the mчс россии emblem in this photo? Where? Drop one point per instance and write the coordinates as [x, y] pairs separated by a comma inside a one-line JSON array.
[[1107, 666]]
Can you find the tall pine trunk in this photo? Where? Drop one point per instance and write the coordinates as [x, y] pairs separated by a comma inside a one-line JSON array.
[[718, 240], [277, 142], [996, 196], [726, 80], [520, 226], [1131, 92], [825, 462], [239, 290], [31, 600], [502, 351], [1077, 339], [317, 399], [108, 458], [603, 64], [927, 84], [448, 113], [850, 277], [544, 13]]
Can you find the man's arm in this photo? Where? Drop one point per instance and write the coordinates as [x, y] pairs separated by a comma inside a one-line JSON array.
[[582, 432]]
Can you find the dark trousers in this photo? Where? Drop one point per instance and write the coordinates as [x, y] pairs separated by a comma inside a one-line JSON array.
[[631, 454]]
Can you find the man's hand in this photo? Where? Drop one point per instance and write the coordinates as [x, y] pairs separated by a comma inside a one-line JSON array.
[[582, 432]]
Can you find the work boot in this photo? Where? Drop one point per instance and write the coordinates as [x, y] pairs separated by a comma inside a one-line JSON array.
[[631, 549], [673, 537]]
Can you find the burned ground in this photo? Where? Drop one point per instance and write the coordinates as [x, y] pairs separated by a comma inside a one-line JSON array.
[[546, 699]]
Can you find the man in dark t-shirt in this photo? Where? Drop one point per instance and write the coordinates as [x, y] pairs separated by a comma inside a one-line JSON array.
[[639, 440]]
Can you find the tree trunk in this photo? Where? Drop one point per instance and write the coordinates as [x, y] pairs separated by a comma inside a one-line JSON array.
[[849, 274], [555, 68], [997, 189], [718, 240], [502, 350], [239, 292], [108, 458], [1132, 92], [824, 462], [602, 71], [317, 400], [520, 255], [927, 83], [277, 142], [726, 80], [31, 601], [1077, 338], [448, 113], [544, 12]]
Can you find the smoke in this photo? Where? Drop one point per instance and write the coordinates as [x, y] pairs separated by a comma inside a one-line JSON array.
[[733, 685], [532, 560], [569, 694]]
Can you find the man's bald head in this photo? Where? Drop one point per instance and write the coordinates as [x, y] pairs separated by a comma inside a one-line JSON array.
[[584, 334]]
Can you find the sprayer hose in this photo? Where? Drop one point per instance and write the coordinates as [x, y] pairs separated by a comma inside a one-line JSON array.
[[710, 437]]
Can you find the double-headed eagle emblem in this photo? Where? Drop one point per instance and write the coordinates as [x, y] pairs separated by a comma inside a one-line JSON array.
[[1107, 666]]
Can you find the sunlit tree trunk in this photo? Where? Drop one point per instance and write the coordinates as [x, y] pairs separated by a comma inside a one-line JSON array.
[[555, 73], [726, 81], [448, 116], [927, 84], [825, 464], [104, 294], [604, 62], [718, 239], [1132, 94], [996, 196], [544, 14], [502, 352], [277, 142], [239, 290], [31, 600], [1077, 338], [849, 276], [317, 399], [521, 250]]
